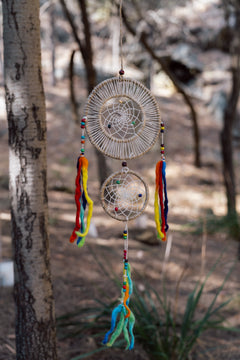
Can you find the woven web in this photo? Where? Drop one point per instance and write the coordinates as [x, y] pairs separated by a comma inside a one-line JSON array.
[[121, 118], [124, 196]]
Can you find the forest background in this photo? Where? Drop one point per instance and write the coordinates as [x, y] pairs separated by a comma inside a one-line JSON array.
[[187, 53]]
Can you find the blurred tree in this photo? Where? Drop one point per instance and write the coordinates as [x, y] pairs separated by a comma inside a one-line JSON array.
[[232, 15], [164, 62], [35, 315], [85, 46]]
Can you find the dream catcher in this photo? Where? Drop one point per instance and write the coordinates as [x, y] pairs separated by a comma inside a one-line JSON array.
[[123, 122]]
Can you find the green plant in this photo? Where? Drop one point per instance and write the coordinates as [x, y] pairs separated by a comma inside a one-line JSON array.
[[214, 224], [162, 333], [92, 321], [165, 337]]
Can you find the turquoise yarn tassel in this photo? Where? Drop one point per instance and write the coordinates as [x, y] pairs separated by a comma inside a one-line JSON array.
[[126, 317]]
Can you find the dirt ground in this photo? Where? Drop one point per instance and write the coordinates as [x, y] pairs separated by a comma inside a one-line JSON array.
[[194, 194]]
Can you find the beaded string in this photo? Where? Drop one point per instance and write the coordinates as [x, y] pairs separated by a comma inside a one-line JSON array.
[[125, 237], [83, 125], [126, 317], [125, 273], [81, 195]]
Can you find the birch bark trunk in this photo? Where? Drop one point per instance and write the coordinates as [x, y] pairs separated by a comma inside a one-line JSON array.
[[35, 316]]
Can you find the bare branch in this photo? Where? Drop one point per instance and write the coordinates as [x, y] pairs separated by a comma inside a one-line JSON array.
[[72, 24], [71, 86], [163, 61]]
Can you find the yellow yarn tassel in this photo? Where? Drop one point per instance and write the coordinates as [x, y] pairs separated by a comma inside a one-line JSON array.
[[156, 212]]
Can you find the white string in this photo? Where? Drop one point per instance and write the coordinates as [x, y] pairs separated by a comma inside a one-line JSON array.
[[123, 118], [124, 195], [126, 240], [121, 35]]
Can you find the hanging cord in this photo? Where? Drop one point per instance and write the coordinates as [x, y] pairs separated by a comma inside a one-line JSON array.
[[121, 71], [121, 34], [125, 237]]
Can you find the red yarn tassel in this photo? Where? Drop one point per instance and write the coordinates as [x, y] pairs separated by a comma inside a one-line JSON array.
[[161, 200], [160, 191], [78, 193]]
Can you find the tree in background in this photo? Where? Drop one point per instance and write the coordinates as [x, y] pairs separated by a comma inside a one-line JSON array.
[[35, 315], [85, 47], [231, 8]]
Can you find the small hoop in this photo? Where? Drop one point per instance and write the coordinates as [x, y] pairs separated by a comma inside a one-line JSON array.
[[124, 195]]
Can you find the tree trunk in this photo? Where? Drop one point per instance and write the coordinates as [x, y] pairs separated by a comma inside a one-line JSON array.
[[231, 113], [52, 42], [85, 48], [35, 316], [226, 142]]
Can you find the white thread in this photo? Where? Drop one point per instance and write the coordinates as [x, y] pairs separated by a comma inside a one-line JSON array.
[[123, 118], [121, 35], [124, 195], [126, 240]]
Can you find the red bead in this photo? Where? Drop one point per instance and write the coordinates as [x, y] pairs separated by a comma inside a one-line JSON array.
[[82, 126], [116, 208], [124, 163], [124, 287], [83, 120], [162, 152], [121, 72]]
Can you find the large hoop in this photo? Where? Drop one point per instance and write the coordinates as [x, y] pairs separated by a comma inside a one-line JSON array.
[[123, 118]]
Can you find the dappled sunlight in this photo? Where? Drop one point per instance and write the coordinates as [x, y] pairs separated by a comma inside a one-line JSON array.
[[196, 195]]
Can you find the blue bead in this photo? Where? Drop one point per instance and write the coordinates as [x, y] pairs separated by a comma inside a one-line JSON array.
[[124, 290], [82, 137], [139, 195]]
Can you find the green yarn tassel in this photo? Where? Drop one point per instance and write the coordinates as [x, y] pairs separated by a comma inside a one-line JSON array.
[[118, 330], [125, 334], [126, 317]]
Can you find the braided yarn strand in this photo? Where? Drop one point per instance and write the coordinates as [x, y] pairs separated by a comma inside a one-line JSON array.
[[81, 198], [78, 193], [126, 317], [161, 199]]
